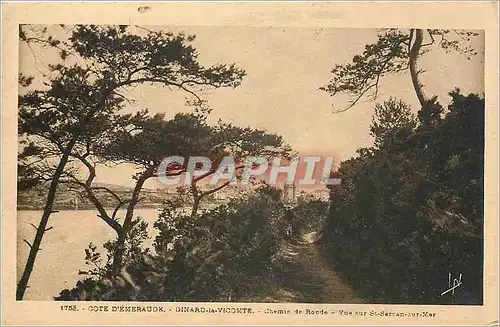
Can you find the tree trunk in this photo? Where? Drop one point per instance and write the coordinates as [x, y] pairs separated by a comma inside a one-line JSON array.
[[102, 212], [127, 224], [198, 196], [414, 53], [47, 211], [95, 201], [196, 205]]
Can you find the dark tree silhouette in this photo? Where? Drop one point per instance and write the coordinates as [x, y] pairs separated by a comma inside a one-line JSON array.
[[108, 60], [396, 51], [410, 209], [185, 135]]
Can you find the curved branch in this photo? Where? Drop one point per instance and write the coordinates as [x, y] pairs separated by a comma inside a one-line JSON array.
[[118, 208], [109, 191], [87, 186], [220, 187], [414, 52]]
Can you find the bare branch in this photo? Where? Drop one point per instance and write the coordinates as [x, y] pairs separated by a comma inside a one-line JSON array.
[[117, 208], [29, 244], [109, 191], [215, 189]]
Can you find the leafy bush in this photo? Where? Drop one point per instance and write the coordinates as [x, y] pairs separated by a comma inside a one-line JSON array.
[[410, 209], [224, 254], [309, 215], [99, 284]]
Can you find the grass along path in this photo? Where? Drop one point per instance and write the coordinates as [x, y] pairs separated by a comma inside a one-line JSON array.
[[305, 277]]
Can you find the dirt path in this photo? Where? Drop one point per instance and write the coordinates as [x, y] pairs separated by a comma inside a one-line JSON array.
[[304, 277]]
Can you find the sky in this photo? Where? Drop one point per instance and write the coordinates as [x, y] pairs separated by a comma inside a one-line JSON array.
[[285, 68]]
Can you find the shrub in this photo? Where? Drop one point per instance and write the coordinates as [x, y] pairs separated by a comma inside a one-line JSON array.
[[410, 211], [222, 254]]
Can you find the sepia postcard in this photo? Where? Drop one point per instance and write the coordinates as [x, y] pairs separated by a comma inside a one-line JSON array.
[[250, 163]]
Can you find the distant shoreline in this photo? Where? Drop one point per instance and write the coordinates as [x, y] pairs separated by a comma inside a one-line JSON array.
[[68, 208], [91, 208]]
